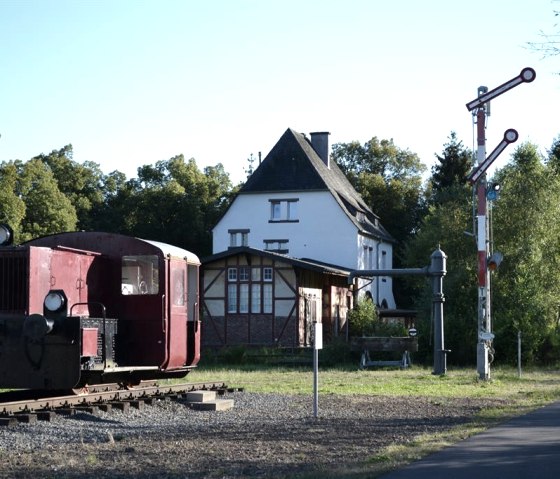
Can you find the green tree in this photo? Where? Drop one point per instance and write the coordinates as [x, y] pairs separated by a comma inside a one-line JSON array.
[[526, 225], [390, 181], [48, 210], [453, 165], [12, 207], [82, 184], [173, 201]]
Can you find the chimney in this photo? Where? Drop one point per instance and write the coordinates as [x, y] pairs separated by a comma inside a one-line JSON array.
[[320, 143]]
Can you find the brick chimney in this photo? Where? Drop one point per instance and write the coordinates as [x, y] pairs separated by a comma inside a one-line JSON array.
[[320, 143]]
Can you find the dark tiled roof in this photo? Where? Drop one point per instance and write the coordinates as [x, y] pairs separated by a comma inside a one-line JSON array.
[[293, 165], [300, 263]]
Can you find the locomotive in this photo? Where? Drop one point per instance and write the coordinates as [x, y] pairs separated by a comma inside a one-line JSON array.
[[83, 308]]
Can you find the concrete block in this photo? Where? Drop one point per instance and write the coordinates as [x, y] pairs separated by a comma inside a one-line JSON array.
[[201, 396], [216, 405]]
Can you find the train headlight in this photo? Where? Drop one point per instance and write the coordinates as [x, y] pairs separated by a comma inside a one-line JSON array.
[[55, 301], [6, 235]]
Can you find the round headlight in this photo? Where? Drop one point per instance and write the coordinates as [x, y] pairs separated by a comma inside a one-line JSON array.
[[6, 235], [54, 301]]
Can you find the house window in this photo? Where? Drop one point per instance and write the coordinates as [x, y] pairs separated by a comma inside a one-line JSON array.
[[249, 289], [243, 273], [278, 246], [267, 298], [232, 298], [384, 263], [284, 210], [238, 238]]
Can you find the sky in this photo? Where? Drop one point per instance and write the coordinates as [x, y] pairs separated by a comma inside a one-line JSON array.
[[132, 82]]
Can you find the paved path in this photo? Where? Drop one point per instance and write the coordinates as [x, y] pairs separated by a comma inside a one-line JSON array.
[[526, 447]]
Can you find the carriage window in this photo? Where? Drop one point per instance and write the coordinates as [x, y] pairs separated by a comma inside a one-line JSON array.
[[140, 275]]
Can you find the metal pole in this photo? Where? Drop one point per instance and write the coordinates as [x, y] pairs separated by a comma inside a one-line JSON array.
[[519, 353], [315, 382], [438, 271], [483, 366]]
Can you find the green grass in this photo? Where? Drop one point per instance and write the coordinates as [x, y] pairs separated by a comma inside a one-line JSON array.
[[535, 388]]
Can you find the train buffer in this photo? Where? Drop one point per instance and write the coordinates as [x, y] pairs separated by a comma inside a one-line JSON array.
[[370, 346]]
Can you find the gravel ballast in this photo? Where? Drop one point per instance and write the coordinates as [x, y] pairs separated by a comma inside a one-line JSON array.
[[264, 435]]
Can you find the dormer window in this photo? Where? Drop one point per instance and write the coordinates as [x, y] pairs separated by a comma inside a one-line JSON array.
[[284, 210]]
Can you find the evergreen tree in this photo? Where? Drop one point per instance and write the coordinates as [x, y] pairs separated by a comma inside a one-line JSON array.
[[452, 168]]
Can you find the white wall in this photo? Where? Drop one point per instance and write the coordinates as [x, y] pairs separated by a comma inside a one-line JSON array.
[[323, 232]]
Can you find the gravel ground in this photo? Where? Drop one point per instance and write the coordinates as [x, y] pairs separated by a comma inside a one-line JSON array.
[[263, 436]]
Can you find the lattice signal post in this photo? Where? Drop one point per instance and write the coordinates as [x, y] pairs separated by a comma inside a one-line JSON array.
[[480, 108]]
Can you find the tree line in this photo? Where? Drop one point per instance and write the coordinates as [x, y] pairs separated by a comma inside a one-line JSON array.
[[176, 202]]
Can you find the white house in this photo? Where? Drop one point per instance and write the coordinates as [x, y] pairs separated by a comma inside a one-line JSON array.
[[299, 203]]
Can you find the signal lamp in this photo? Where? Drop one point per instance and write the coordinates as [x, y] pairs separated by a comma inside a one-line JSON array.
[[493, 191], [495, 260], [55, 301]]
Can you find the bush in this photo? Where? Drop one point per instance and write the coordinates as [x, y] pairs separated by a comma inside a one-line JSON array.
[[363, 318]]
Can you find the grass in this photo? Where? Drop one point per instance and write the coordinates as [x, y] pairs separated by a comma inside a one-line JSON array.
[[533, 389]]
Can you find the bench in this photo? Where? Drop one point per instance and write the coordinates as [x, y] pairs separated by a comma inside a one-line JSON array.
[[403, 345]]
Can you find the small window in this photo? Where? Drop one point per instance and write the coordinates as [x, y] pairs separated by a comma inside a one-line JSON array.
[[255, 274], [232, 274], [243, 274], [238, 238], [284, 210], [267, 274], [139, 275], [278, 246]]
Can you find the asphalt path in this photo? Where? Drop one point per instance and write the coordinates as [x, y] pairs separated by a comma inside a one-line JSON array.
[[525, 447]]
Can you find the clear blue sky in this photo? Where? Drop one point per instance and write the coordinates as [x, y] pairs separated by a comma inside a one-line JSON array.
[[129, 83]]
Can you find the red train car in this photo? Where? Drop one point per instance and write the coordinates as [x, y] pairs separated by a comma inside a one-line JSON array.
[[87, 308]]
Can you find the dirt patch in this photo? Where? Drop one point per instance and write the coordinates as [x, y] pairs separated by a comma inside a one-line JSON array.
[[264, 435]]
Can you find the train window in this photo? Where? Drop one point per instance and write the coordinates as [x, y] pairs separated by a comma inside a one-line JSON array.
[[140, 275]]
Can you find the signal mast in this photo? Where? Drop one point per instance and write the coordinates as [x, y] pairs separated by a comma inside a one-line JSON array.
[[487, 261]]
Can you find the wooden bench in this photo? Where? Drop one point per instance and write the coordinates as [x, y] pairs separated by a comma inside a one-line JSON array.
[[403, 345]]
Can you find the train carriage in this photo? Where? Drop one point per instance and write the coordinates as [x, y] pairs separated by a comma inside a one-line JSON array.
[[85, 308]]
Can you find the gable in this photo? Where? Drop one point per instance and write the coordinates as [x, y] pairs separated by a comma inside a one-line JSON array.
[[287, 167], [293, 165]]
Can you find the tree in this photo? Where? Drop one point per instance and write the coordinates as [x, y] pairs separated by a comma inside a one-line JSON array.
[[83, 184], [12, 207], [526, 288], [174, 202], [48, 210], [390, 181], [553, 160], [452, 168]]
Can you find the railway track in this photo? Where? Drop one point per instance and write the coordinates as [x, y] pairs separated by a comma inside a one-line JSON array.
[[29, 406]]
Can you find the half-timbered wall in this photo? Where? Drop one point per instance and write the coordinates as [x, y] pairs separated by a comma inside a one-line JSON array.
[[249, 300]]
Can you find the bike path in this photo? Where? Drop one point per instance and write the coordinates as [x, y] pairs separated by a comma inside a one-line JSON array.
[[525, 447]]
